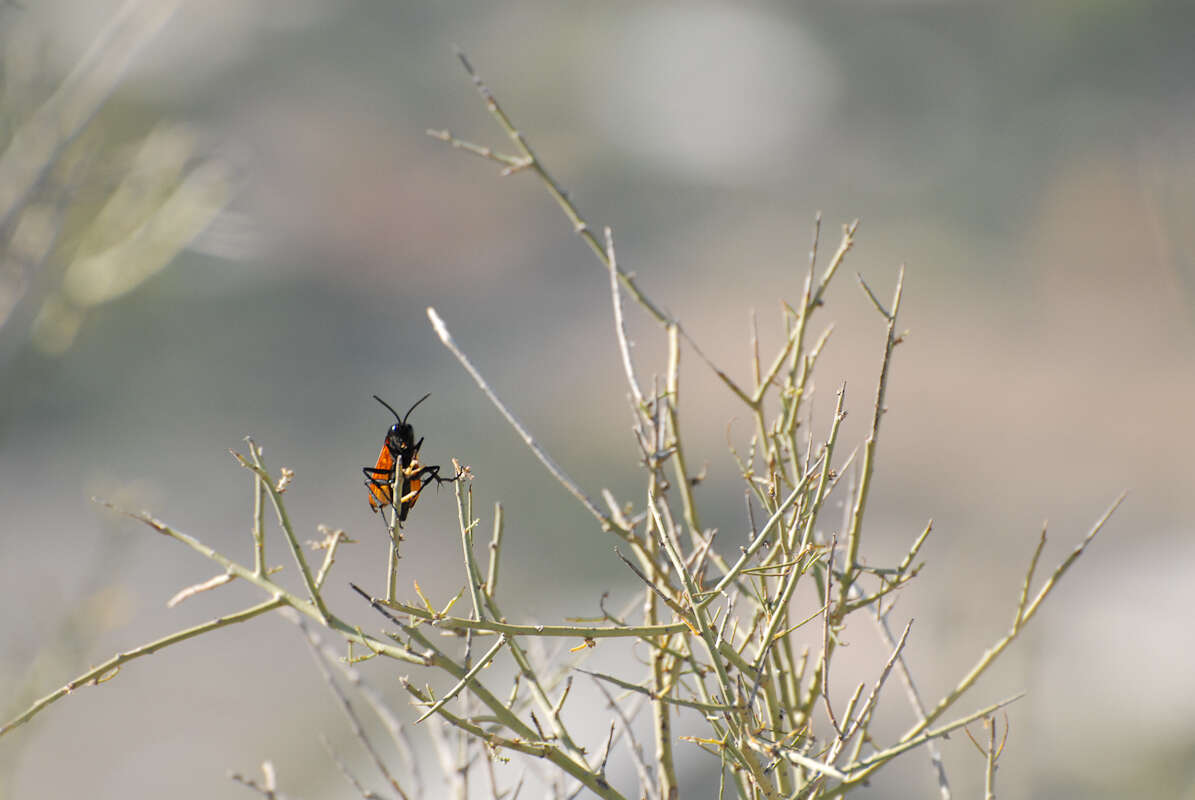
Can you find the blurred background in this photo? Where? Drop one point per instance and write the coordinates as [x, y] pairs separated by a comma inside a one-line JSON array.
[[222, 219]]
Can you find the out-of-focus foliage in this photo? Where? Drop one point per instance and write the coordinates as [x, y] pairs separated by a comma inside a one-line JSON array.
[[93, 200]]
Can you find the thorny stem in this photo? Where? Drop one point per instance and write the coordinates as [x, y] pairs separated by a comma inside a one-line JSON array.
[[854, 535], [259, 528], [558, 473], [258, 468], [109, 668], [580, 226], [780, 610], [989, 657]]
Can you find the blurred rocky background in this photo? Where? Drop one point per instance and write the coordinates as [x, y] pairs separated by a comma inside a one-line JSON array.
[[225, 218]]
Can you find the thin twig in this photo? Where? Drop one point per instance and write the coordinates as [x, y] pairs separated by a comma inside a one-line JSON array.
[[370, 694], [864, 716], [580, 226], [989, 776], [620, 329], [109, 668], [825, 660], [259, 528], [650, 790], [530, 161], [854, 533], [330, 544], [481, 664], [366, 794], [462, 624], [558, 473], [992, 653], [205, 586], [268, 788], [491, 580], [258, 467], [916, 703], [347, 707], [715, 708]]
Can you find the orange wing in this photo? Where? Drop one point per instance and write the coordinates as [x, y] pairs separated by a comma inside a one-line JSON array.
[[380, 493]]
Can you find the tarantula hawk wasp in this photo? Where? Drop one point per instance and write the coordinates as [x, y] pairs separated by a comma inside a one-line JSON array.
[[400, 454]]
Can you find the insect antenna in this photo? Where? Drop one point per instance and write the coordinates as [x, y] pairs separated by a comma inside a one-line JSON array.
[[412, 408], [402, 419], [387, 405]]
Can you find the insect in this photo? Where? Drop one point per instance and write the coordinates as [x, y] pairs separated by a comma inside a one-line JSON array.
[[400, 454]]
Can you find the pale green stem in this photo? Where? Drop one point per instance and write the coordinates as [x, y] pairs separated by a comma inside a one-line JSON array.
[[491, 581], [581, 631], [854, 535], [472, 572], [258, 467], [481, 664], [790, 581], [108, 669], [558, 473], [1022, 618]]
